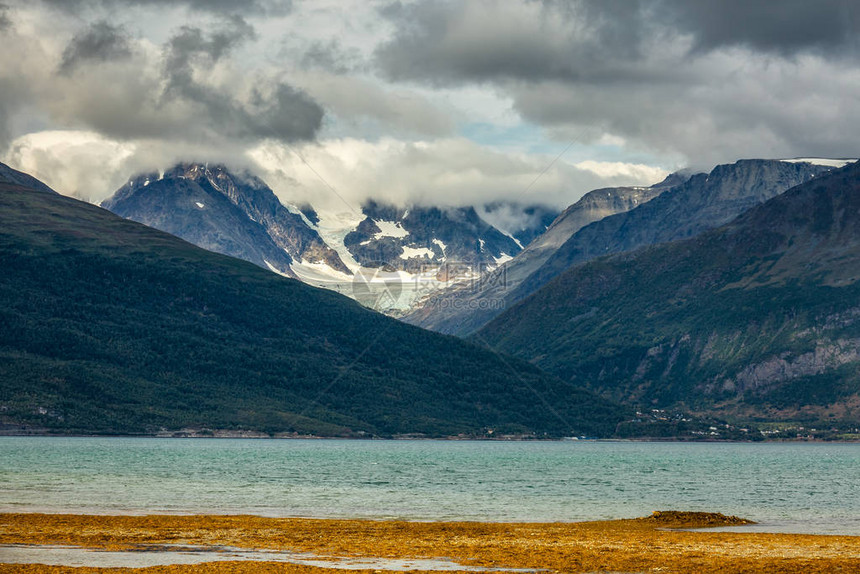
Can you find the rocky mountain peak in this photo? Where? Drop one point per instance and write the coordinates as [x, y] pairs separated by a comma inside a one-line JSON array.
[[234, 213]]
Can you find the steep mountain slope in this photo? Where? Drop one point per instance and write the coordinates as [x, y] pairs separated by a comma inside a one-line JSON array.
[[704, 202], [464, 308], [107, 325], [409, 238], [15, 177], [237, 215], [759, 318]]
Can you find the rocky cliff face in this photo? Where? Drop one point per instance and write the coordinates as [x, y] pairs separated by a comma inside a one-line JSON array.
[[462, 309], [758, 318], [236, 215]]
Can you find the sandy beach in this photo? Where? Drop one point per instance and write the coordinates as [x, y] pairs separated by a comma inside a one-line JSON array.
[[649, 544]]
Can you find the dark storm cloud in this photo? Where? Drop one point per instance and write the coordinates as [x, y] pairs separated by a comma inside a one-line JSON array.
[[595, 40], [287, 114], [453, 42], [712, 80], [442, 42], [101, 42], [786, 26], [248, 7], [196, 90], [276, 111], [193, 43], [4, 119]]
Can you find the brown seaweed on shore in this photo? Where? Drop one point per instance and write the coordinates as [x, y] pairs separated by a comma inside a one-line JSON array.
[[652, 544]]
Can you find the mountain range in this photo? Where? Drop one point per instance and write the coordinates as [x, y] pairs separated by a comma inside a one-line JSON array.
[[612, 221], [462, 308], [730, 294], [755, 320], [110, 326], [361, 252]]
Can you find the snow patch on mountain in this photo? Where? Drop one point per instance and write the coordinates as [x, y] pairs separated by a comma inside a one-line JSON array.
[[320, 275], [836, 163], [410, 252], [333, 226], [502, 259], [389, 229]]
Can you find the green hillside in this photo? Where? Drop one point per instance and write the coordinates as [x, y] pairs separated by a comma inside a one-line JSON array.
[[759, 319], [108, 326]]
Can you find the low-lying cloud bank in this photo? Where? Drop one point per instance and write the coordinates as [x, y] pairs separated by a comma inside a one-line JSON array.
[[451, 171]]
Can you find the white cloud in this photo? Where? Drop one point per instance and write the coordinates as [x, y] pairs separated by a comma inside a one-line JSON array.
[[79, 164], [620, 171], [89, 166], [451, 171]]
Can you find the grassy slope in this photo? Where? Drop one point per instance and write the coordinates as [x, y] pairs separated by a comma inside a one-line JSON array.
[[758, 318], [110, 326]]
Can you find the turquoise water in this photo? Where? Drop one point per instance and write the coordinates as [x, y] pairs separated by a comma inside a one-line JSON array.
[[787, 486]]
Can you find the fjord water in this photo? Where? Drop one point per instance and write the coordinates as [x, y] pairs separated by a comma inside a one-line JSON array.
[[786, 486]]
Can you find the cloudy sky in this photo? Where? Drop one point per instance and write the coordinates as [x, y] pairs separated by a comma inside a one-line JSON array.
[[429, 101]]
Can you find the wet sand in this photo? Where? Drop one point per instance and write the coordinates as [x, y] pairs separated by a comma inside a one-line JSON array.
[[641, 545]]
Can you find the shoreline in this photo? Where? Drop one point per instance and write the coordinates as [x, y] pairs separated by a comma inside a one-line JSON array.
[[661, 542], [253, 435]]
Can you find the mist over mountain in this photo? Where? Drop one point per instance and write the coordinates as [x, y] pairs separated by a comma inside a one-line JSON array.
[[523, 222], [356, 253]]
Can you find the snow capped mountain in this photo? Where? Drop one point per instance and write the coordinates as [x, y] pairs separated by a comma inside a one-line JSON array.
[[237, 215], [411, 238], [398, 255], [384, 256]]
